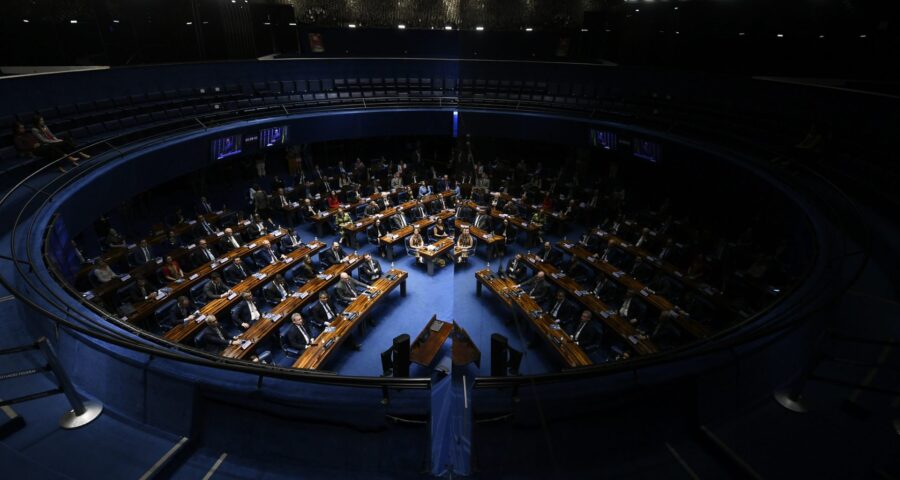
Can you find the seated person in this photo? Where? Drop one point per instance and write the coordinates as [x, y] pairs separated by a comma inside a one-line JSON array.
[[323, 311], [27, 145], [298, 336], [102, 272], [439, 231], [260, 227], [424, 189], [247, 312], [215, 288], [416, 243], [204, 206], [375, 232], [536, 287], [204, 254], [613, 254], [641, 270], [308, 210], [645, 241], [584, 333], [303, 271], [171, 270], [333, 201], [516, 269], [172, 242], [267, 255], [385, 201], [372, 208], [464, 245], [332, 256], [399, 220], [277, 290], [508, 233], [548, 254], [370, 270], [141, 290], [343, 220], [213, 339], [482, 220], [590, 241], [230, 240], [237, 271], [291, 241], [633, 310], [417, 211], [143, 253], [561, 309], [348, 289], [203, 228], [183, 311], [580, 272], [114, 240]]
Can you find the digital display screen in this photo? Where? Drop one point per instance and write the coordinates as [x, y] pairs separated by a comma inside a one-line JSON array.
[[646, 149], [226, 146], [604, 139], [270, 137]]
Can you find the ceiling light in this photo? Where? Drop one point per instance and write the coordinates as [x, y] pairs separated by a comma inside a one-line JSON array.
[[741, 34], [73, 21], [352, 25], [448, 27], [528, 29], [780, 35], [24, 20], [862, 35], [584, 29], [401, 26], [115, 21], [189, 23], [636, 10], [267, 23], [479, 28], [821, 36], [293, 24]]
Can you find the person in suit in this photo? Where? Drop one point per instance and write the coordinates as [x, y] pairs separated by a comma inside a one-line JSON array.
[[204, 206], [548, 254], [215, 288], [463, 211], [560, 308], [613, 254], [589, 241], [370, 270], [348, 289], [183, 311], [584, 334], [372, 208], [516, 269], [304, 271], [536, 287], [632, 309], [323, 311], [230, 240], [298, 336], [399, 220], [213, 339], [143, 253], [439, 204], [203, 228], [247, 312], [482, 220], [267, 255], [204, 254], [385, 201], [172, 242], [375, 232], [141, 290], [417, 211], [115, 240], [508, 234], [333, 255], [291, 241], [260, 201], [237, 271], [308, 210], [258, 227], [285, 206], [641, 270], [277, 290]]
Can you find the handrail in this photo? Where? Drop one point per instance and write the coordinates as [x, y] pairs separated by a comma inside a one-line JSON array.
[[204, 359]]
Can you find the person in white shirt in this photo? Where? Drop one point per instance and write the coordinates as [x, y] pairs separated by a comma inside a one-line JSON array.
[[102, 272]]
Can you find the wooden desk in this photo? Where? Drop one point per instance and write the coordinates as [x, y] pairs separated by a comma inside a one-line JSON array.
[[658, 302], [463, 350], [429, 341], [400, 234], [600, 310], [146, 308], [505, 289], [429, 255], [187, 330], [329, 340], [281, 313]]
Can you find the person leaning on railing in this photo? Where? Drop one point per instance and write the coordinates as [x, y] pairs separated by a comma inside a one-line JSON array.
[[28, 145]]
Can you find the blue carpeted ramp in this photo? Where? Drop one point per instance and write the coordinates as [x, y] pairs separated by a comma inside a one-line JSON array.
[[451, 424]]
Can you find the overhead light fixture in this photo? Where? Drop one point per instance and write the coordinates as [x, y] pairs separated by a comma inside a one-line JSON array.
[[584, 29], [401, 26], [448, 27], [267, 23], [25, 20], [677, 33], [529, 29], [821, 36], [741, 34], [352, 25], [293, 24], [479, 28], [188, 23], [115, 21], [780, 35], [862, 35], [636, 10], [73, 21], [676, 8]]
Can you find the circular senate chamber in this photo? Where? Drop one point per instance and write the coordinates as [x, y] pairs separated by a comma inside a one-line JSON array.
[[424, 261]]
